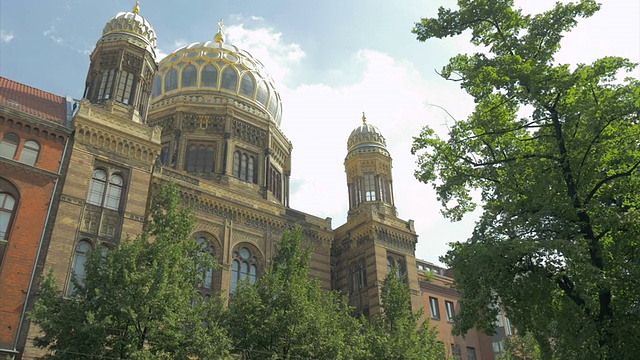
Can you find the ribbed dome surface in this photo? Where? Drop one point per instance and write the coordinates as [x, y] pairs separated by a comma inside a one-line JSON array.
[[217, 68], [366, 138], [128, 23]]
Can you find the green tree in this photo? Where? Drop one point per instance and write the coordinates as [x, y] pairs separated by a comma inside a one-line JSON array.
[[140, 300], [520, 347], [286, 315], [397, 332], [557, 243]]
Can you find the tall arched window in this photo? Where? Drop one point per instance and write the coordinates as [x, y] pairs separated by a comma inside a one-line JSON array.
[[229, 79], [157, 86], [358, 275], [171, 80], [80, 257], [207, 249], [125, 86], [189, 75], [248, 85], [369, 187], [243, 267], [209, 77], [9, 145], [200, 158], [30, 151], [105, 193], [7, 211], [106, 84], [97, 186]]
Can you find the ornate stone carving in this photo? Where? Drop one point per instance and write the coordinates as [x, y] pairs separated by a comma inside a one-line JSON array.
[[249, 133]]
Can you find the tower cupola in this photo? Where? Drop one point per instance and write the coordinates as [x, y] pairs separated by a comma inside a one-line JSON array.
[[368, 168], [123, 65]]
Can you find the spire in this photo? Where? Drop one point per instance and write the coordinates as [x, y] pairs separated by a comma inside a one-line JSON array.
[[364, 118], [219, 37], [136, 8]]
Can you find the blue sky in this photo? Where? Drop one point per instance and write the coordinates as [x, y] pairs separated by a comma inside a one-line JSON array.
[[330, 59]]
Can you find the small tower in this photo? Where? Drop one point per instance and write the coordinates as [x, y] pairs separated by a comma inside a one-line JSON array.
[[123, 64], [374, 241]]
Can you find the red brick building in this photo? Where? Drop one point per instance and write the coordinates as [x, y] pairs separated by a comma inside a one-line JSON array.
[[34, 132]]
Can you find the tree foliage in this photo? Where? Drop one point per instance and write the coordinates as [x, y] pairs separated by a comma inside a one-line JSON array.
[[520, 347], [557, 242], [286, 315], [140, 300], [397, 333]]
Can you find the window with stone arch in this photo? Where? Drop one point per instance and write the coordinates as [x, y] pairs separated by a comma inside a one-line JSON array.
[[81, 255], [207, 248], [106, 84], [9, 200], [30, 152], [397, 263], [200, 157], [244, 266], [245, 166], [9, 145], [358, 274], [370, 187], [124, 92], [106, 189]]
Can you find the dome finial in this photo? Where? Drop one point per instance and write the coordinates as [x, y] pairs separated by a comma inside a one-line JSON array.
[[136, 8], [364, 118], [219, 38]]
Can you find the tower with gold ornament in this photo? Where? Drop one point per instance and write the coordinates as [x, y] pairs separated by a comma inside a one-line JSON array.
[[373, 241]]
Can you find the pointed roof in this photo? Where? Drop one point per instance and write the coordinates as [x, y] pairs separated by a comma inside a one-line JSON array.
[[33, 101]]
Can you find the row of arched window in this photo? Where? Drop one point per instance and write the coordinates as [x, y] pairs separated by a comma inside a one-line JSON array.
[[105, 189], [245, 166], [122, 80], [369, 188], [9, 149], [244, 266]]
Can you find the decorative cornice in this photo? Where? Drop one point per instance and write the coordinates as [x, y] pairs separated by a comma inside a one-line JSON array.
[[21, 121], [209, 99], [18, 167]]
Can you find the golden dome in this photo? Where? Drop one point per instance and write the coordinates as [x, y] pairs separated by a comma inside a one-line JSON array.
[[217, 68], [366, 138], [131, 27]]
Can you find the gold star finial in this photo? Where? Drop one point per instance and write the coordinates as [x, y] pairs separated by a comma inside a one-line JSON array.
[[364, 118], [136, 8], [219, 38]]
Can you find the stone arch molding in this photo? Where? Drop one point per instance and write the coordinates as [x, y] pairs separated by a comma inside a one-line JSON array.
[[116, 144]]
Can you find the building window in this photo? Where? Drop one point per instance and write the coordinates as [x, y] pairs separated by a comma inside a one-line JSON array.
[[229, 79], [396, 262], [358, 275], [498, 347], [383, 186], [164, 155], [450, 310], [157, 86], [209, 76], [471, 353], [189, 75], [244, 166], [8, 199], [200, 158], [263, 94], [208, 250], [9, 145], [30, 151], [247, 86], [243, 267], [103, 193], [83, 250], [455, 351], [171, 80], [369, 187], [275, 183], [507, 326], [106, 83], [435, 309], [125, 85]]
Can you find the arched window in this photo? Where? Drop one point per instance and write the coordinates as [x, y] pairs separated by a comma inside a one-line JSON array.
[[383, 185], [200, 158], [243, 267], [369, 187], [125, 86], [248, 85], [164, 155], [171, 80], [275, 183], [244, 166], [157, 86], [97, 186], [209, 76], [397, 263], [7, 210], [358, 275], [263, 94], [207, 281], [114, 192], [229, 79], [80, 257], [189, 76], [30, 151], [106, 84], [103, 193], [9, 145]]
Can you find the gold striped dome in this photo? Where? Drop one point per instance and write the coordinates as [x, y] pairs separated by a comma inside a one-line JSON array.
[[131, 27], [215, 67], [366, 138]]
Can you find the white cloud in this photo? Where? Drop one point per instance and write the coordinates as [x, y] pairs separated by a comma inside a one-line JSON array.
[[6, 36]]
